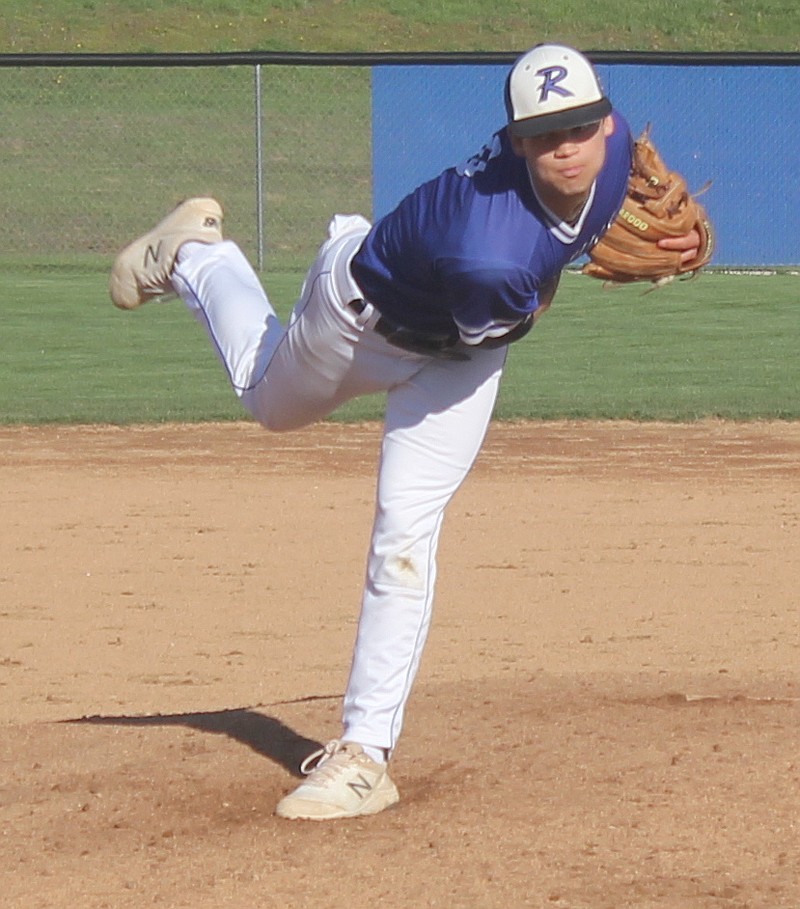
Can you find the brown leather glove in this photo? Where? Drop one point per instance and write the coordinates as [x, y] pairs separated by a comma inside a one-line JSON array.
[[658, 205]]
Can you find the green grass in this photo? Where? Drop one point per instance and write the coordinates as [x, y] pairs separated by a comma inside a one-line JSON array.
[[723, 345], [395, 25]]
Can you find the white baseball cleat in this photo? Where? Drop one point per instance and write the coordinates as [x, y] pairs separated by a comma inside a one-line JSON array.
[[342, 782], [142, 270]]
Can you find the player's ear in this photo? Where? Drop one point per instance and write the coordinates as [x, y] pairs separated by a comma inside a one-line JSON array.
[[608, 126], [516, 145]]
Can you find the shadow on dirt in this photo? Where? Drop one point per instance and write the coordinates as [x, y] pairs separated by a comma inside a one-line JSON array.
[[264, 734]]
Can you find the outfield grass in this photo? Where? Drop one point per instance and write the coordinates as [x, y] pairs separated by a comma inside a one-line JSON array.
[[396, 25], [722, 345]]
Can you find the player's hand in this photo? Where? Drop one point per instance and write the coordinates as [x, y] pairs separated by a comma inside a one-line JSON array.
[[689, 244]]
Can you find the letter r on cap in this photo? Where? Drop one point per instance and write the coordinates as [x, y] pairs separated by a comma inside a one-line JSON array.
[[552, 75]]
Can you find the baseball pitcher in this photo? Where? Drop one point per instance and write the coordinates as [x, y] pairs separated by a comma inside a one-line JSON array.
[[422, 306]]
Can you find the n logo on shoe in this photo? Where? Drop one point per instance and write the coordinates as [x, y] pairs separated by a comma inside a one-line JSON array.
[[152, 255], [360, 786]]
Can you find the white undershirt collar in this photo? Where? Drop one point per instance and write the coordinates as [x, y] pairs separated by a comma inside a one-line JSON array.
[[565, 231]]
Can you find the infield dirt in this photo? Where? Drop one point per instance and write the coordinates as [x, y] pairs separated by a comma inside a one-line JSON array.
[[607, 714]]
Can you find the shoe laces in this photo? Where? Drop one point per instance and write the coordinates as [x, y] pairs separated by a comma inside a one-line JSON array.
[[328, 762]]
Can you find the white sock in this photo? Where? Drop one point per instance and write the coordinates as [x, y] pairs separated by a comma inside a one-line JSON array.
[[188, 248], [379, 755]]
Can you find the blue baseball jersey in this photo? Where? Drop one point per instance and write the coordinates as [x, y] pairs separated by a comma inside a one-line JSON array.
[[470, 249]]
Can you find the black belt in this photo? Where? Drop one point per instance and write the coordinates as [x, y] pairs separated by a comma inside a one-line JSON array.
[[442, 346]]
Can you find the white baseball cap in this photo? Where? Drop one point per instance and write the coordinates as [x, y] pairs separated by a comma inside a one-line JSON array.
[[553, 87]]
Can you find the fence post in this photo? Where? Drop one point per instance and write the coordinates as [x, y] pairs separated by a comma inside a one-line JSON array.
[[259, 168]]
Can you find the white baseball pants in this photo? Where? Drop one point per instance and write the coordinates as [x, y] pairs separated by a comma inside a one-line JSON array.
[[437, 413]]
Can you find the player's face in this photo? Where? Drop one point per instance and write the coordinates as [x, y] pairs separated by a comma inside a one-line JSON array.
[[564, 164]]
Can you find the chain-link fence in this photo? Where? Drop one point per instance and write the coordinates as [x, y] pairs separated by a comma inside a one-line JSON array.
[[94, 150], [90, 156]]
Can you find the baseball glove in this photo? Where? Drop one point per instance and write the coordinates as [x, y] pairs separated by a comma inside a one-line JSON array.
[[658, 205]]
